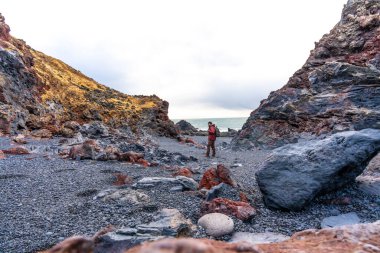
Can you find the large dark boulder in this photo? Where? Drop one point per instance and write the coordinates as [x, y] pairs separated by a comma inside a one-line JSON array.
[[295, 174]]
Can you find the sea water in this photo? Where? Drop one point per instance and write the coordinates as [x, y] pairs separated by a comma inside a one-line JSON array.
[[222, 123]]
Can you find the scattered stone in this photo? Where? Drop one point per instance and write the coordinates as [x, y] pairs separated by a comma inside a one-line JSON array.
[[346, 239], [216, 224], [223, 191], [369, 185], [2, 155], [20, 139], [20, 150], [295, 174], [73, 125], [258, 238], [186, 172], [213, 177], [241, 210], [95, 130], [122, 179], [42, 133], [110, 152], [124, 196], [167, 223], [185, 182], [87, 150], [87, 193], [67, 132], [340, 220], [344, 201]]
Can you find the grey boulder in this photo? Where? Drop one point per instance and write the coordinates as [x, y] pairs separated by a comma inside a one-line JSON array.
[[177, 183], [295, 174], [223, 191]]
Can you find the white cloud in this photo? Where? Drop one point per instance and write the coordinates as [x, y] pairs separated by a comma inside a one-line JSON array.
[[195, 54]]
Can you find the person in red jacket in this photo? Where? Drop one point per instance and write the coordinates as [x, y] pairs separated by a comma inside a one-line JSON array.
[[211, 139]]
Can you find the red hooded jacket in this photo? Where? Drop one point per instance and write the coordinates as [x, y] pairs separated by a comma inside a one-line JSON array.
[[212, 133]]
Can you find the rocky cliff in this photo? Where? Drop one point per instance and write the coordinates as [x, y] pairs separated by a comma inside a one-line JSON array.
[[40, 92], [337, 89]]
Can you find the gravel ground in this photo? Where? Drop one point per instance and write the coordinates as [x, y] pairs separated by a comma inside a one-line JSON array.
[[45, 199]]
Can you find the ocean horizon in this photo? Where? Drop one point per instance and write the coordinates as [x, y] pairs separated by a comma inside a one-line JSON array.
[[222, 123]]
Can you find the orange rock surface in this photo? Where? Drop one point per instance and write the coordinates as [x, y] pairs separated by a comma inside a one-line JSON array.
[[213, 177]]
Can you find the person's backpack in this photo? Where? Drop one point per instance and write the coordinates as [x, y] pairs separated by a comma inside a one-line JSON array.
[[217, 131]]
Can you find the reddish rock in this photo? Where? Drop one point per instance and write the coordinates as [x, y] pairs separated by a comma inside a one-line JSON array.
[[186, 172], [122, 179], [17, 151], [243, 197], [143, 162], [191, 141], [213, 177], [344, 201], [239, 209], [130, 156], [87, 150], [73, 244], [2, 155]]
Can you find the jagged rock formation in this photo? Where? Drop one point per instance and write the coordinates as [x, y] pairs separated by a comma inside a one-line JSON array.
[[40, 92], [337, 89]]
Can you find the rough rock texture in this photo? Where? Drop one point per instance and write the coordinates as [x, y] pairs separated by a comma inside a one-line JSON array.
[[347, 239], [215, 176], [185, 127], [178, 183], [41, 92], [258, 238], [296, 173], [223, 191], [241, 210], [216, 224], [336, 90], [19, 150], [185, 172], [340, 220], [167, 223], [123, 196]]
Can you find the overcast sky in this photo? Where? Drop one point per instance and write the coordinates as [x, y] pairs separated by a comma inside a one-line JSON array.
[[208, 58]]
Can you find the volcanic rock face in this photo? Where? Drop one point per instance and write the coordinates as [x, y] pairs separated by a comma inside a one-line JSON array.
[[336, 90], [41, 92]]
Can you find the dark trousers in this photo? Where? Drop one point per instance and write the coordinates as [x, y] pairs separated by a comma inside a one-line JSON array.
[[210, 144]]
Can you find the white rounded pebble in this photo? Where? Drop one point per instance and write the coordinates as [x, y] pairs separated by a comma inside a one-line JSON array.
[[216, 224]]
